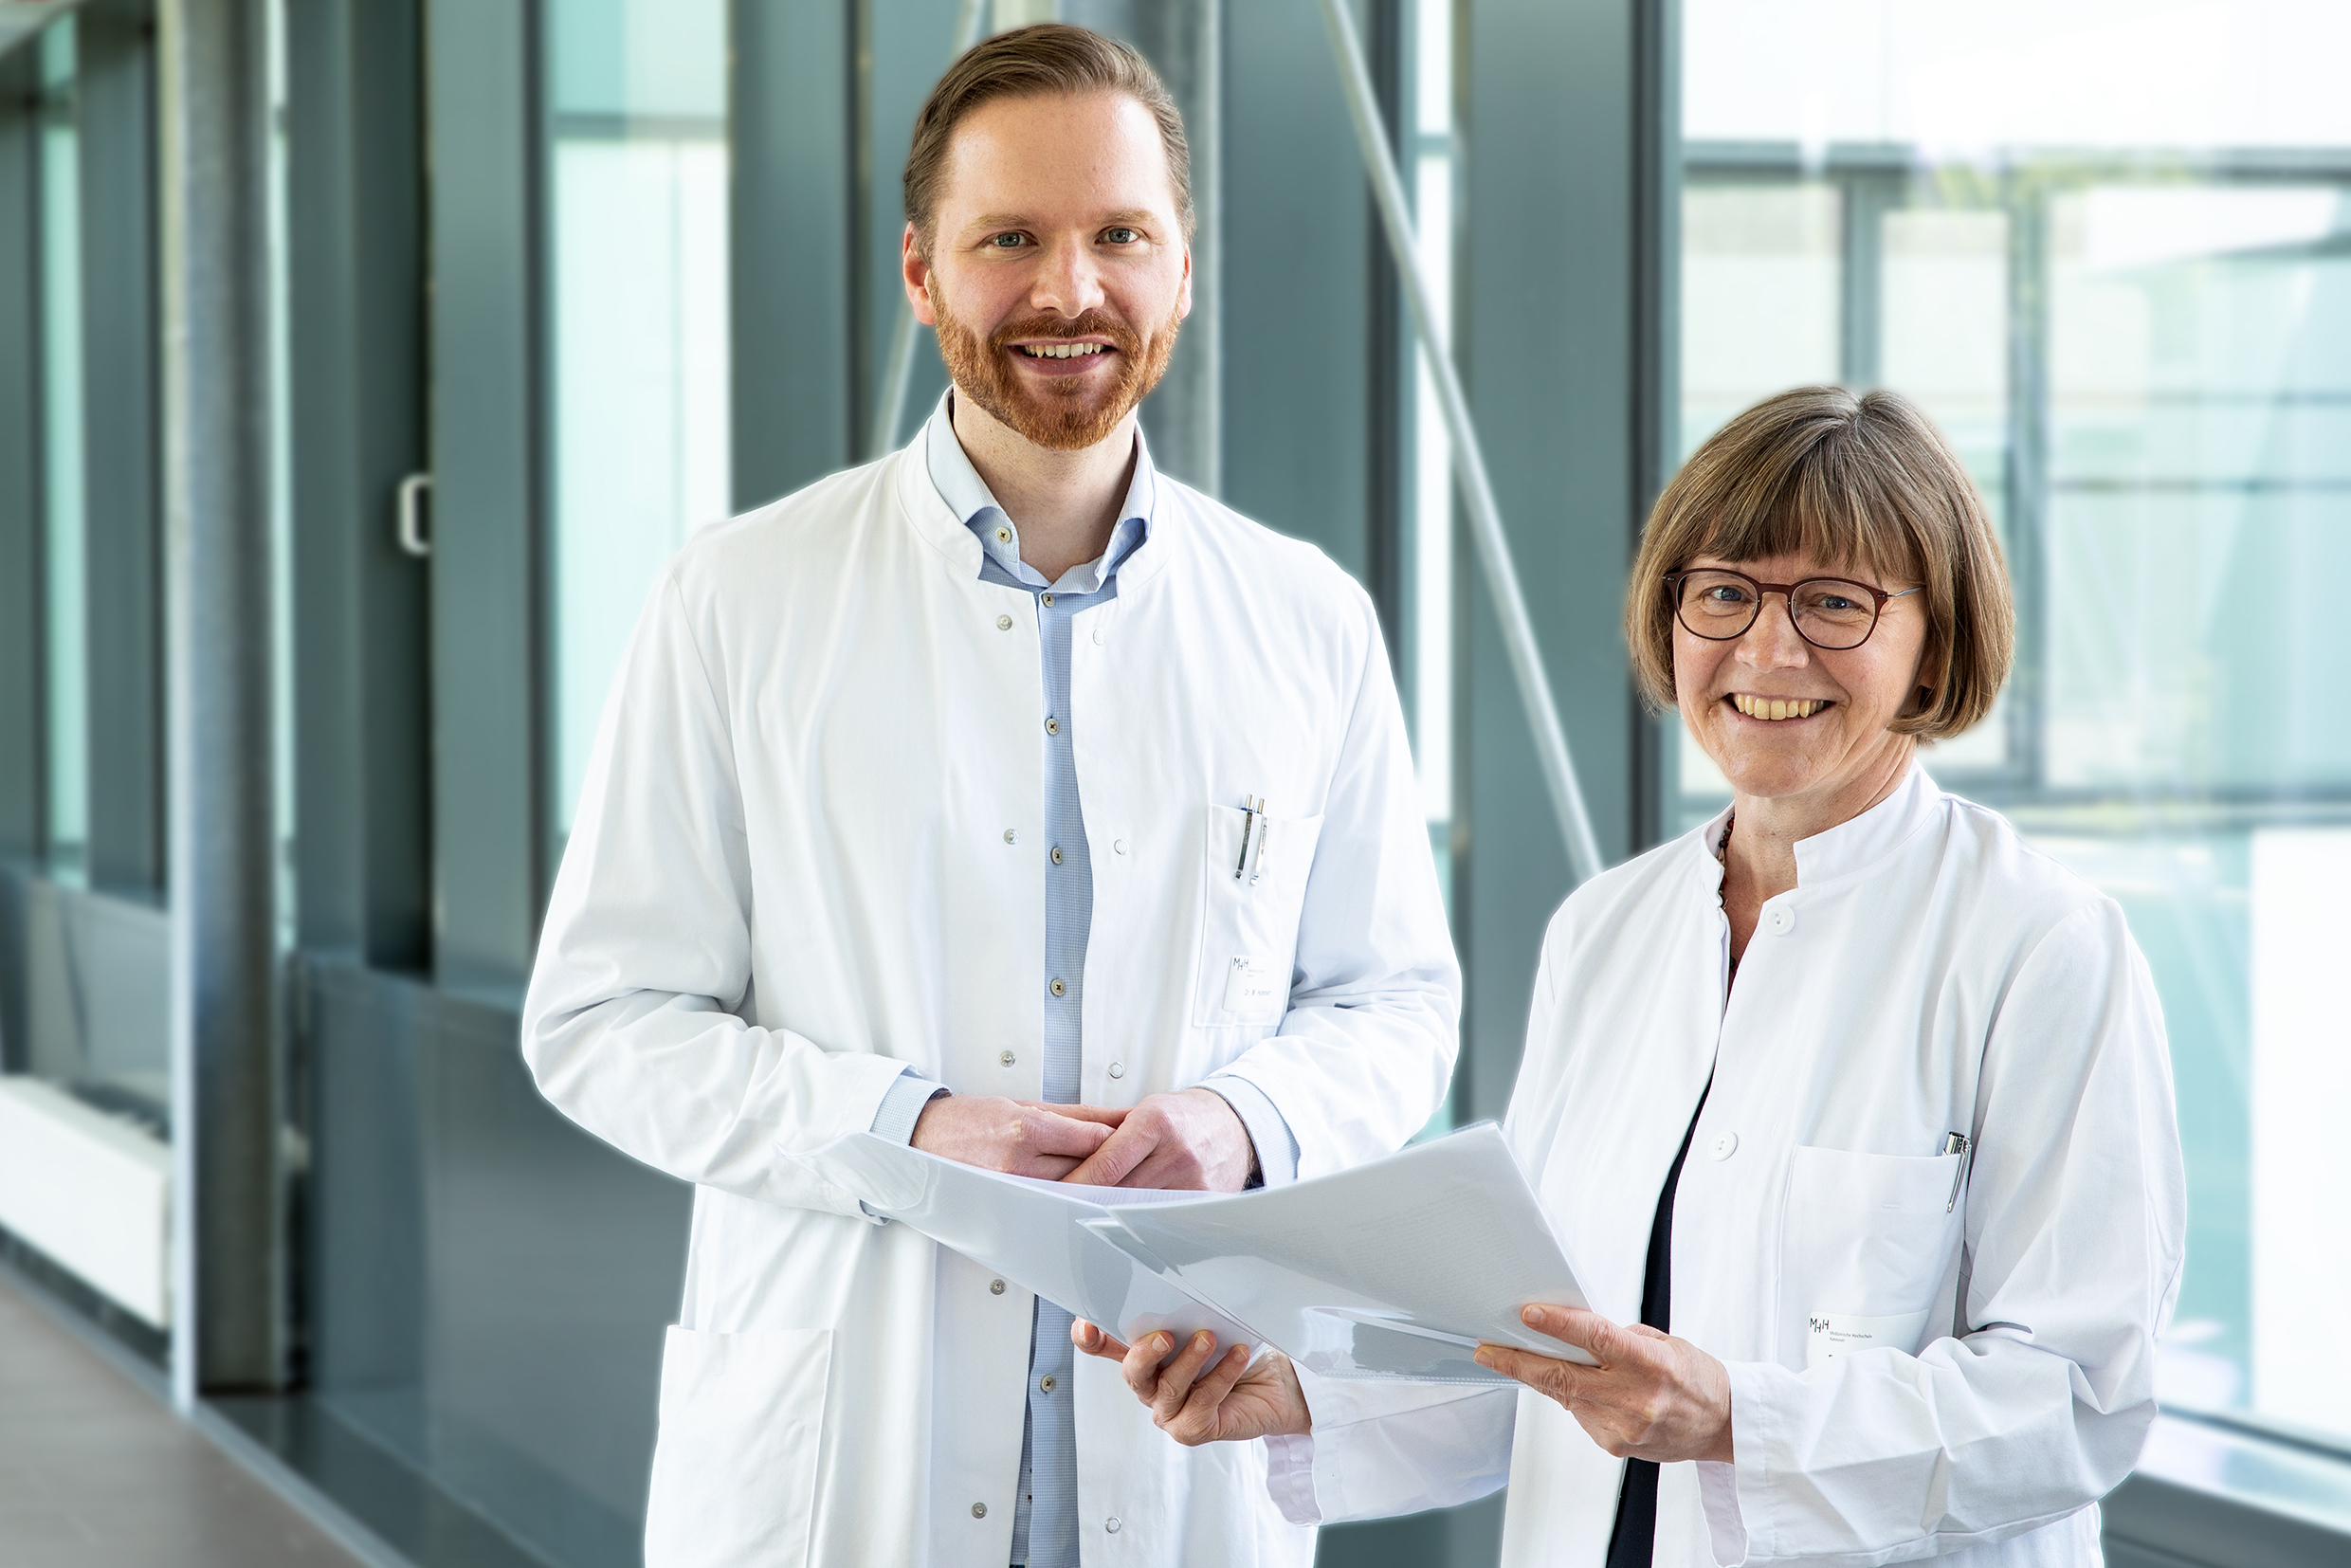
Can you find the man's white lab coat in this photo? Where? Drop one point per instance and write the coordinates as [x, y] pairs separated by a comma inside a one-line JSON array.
[[811, 852], [1926, 1356]]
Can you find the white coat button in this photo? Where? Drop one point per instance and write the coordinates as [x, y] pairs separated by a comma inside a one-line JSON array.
[[995, 1287], [1011, 835], [1006, 1058], [980, 1510], [1057, 854], [1782, 918], [1053, 726], [1004, 536], [1004, 623], [1046, 1382], [1118, 846], [1049, 601], [1097, 634], [1118, 1069], [1722, 1147], [1058, 989], [1111, 1525]]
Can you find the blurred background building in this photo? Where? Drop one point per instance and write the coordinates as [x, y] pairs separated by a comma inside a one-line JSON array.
[[361, 361]]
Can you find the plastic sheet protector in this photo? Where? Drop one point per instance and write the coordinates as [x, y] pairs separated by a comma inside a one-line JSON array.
[[1395, 1269]]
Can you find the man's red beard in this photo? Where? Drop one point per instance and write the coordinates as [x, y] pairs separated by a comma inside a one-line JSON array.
[[1061, 416]]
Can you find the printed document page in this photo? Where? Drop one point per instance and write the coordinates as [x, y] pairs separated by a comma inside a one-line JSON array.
[[1397, 1268], [1032, 1231]]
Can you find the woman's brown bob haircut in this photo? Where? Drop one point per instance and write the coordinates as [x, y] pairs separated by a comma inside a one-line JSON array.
[[1044, 58], [1862, 484]]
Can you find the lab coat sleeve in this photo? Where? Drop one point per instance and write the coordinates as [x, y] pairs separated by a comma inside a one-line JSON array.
[[1382, 1449], [1365, 1052], [2076, 1209], [630, 1026]]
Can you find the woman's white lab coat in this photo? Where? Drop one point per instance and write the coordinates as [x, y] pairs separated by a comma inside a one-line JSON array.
[[1928, 1354], [812, 850]]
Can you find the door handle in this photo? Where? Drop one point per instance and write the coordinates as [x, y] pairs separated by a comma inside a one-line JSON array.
[[410, 526]]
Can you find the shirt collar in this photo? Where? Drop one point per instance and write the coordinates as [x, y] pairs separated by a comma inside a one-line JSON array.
[[1853, 845], [967, 495]]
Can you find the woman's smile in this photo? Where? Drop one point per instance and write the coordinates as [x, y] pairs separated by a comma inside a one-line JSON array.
[[1775, 710]]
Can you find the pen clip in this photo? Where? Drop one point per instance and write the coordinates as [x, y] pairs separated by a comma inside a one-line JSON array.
[[1955, 1143], [1264, 831], [1249, 823]]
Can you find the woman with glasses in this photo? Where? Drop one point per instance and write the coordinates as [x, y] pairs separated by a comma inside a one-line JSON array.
[[1853, 1111]]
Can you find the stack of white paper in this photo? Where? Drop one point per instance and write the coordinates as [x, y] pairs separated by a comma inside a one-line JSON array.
[[1397, 1268]]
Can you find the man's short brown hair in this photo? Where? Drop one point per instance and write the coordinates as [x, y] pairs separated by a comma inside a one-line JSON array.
[[1044, 58], [1862, 483]]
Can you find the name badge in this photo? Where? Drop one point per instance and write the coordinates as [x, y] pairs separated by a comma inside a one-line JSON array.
[[1253, 985], [1830, 1335]]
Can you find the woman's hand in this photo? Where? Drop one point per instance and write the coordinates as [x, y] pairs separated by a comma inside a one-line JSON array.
[[1653, 1397], [1200, 1397]]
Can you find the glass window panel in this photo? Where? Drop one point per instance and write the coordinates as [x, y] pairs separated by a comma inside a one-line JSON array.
[[66, 599], [2172, 295], [639, 258], [1760, 271]]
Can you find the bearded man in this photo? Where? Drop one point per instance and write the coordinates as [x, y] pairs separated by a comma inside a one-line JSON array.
[[1010, 798]]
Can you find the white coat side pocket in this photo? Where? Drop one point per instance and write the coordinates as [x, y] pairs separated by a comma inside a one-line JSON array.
[[734, 1470], [1872, 1244], [1248, 923]]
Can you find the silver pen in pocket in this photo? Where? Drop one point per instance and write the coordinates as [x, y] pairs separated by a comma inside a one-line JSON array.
[[1249, 822], [1955, 1143], [1264, 831]]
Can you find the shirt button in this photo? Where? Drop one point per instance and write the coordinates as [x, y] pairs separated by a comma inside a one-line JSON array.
[[1053, 726], [1057, 854], [1046, 1382], [1004, 623], [1111, 1525], [1722, 1147], [1006, 1058], [1004, 536], [1782, 918], [1011, 835], [1058, 989], [995, 1287], [1118, 1069], [1049, 601], [980, 1510], [1118, 846]]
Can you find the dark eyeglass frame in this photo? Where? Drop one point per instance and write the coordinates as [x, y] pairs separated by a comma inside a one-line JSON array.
[[1786, 591]]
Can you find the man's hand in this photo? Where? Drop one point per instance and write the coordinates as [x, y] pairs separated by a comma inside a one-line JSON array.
[[1018, 1136], [1653, 1397], [1200, 1397], [1190, 1141]]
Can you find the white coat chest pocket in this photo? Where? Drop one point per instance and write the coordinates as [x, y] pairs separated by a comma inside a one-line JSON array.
[[1249, 921], [734, 1470], [1873, 1245]]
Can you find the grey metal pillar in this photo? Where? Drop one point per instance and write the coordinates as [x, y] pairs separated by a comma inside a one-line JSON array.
[[1565, 110], [228, 1318], [484, 141], [792, 248], [355, 350], [115, 87]]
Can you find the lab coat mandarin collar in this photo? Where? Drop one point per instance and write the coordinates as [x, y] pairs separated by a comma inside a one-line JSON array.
[[968, 498], [1848, 846]]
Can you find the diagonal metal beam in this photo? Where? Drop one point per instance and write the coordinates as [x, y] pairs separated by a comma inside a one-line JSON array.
[[1477, 490]]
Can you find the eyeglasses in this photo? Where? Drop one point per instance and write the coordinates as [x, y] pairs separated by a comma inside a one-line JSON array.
[[1829, 612]]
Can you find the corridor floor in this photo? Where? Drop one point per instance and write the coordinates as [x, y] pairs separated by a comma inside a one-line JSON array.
[[96, 1473]]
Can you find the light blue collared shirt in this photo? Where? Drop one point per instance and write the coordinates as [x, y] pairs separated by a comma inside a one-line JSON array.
[[1044, 1522]]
